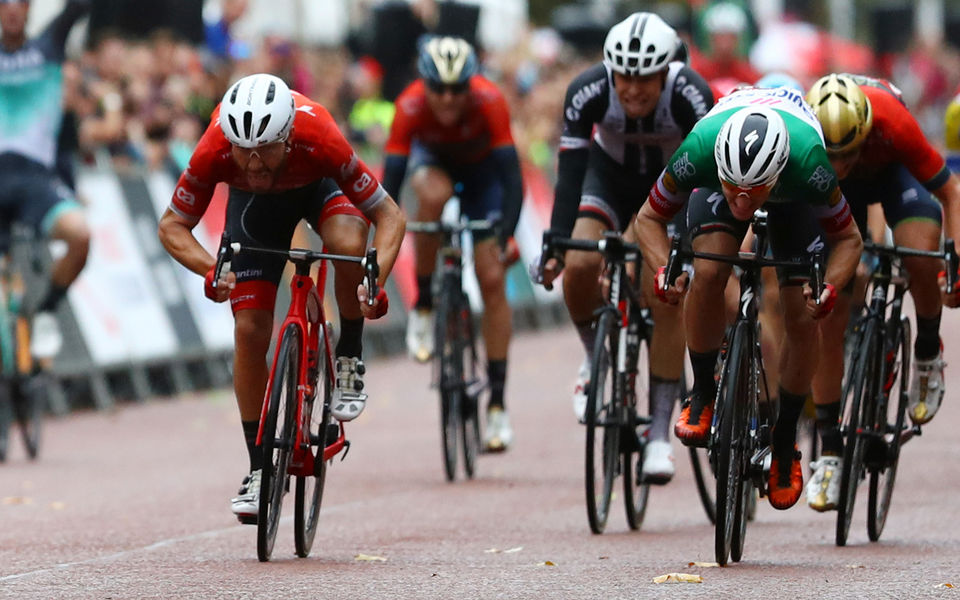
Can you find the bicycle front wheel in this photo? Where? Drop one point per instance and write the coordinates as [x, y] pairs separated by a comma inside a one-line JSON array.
[[635, 492], [470, 398], [29, 407], [890, 420], [279, 432], [731, 428], [603, 430], [450, 364], [309, 490], [858, 397]]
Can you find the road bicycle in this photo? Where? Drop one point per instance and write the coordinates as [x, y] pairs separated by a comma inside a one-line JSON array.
[[456, 364], [875, 393], [739, 442], [23, 380], [297, 433]]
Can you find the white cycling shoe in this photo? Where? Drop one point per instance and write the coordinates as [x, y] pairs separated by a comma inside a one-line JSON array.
[[247, 503], [926, 389], [658, 463], [420, 334], [45, 338], [348, 399], [498, 434], [580, 391], [823, 491]]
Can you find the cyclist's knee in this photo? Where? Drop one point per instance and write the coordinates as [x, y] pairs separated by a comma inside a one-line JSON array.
[[711, 276], [433, 188], [252, 330], [582, 267]]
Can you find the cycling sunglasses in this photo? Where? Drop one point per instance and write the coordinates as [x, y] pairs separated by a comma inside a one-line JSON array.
[[440, 88]]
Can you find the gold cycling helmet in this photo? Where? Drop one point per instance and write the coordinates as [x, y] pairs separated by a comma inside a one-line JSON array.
[[843, 110]]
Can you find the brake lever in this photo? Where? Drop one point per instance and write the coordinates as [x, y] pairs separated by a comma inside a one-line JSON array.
[[953, 263], [674, 264], [546, 253], [371, 274], [817, 269], [224, 258]]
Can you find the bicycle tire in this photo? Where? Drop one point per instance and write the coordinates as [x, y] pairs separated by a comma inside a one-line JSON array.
[[450, 377], [6, 417], [700, 464], [470, 400], [309, 490], [729, 480], [635, 492], [858, 389], [883, 477], [603, 435], [745, 414], [29, 407], [281, 415]]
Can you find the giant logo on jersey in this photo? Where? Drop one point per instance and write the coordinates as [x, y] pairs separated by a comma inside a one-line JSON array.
[[581, 97], [691, 94]]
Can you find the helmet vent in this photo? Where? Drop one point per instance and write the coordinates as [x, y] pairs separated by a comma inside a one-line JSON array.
[[271, 91], [263, 125], [247, 124], [233, 94], [233, 125]]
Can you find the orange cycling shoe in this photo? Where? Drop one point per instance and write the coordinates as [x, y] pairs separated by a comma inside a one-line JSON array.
[[785, 488], [694, 434]]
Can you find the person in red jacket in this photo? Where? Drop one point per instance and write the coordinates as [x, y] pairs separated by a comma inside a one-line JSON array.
[[452, 126], [285, 160]]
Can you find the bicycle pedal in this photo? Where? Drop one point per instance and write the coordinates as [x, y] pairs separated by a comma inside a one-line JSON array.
[[247, 519], [346, 448]]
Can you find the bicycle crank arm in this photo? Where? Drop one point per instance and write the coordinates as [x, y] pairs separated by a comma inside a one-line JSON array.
[[907, 434]]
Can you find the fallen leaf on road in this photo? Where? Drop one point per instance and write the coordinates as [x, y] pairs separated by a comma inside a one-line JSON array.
[[946, 585], [492, 551], [369, 558], [678, 578], [854, 566], [58, 505], [604, 557], [546, 563], [11, 500], [703, 565], [512, 550]]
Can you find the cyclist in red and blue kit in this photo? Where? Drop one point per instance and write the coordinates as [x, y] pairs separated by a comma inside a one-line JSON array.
[[451, 132]]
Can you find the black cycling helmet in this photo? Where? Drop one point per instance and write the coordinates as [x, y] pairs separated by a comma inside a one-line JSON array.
[[446, 61]]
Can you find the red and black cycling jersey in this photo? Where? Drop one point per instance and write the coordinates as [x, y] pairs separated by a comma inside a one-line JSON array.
[[317, 149], [484, 126], [896, 138]]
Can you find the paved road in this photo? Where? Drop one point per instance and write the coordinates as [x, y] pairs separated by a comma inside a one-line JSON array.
[[134, 504]]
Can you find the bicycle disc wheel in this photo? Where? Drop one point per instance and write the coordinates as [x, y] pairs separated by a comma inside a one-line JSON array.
[[635, 492], [450, 379], [29, 405], [309, 490], [729, 432], [857, 396], [278, 439], [890, 420], [603, 432], [470, 398]]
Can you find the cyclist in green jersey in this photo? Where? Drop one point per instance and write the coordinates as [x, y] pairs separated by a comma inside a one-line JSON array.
[[756, 147]]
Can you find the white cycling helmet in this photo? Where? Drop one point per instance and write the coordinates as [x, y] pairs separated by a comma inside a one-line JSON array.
[[641, 44], [752, 147], [257, 110]]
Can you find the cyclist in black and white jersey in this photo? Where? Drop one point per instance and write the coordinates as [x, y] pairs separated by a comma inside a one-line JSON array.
[[31, 89], [623, 118]]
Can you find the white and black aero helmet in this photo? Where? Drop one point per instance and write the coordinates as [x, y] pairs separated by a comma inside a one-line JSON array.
[[641, 44], [257, 110], [752, 147], [447, 61]]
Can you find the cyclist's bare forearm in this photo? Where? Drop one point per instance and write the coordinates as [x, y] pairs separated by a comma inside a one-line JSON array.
[[650, 231], [846, 246], [949, 196], [176, 235], [390, 225]]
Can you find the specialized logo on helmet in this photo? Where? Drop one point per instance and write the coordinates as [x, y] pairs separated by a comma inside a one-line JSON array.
[[750, 139]]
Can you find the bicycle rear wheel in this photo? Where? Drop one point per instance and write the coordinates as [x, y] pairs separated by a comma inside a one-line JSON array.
[[29, 407], [635, 492], [470, 398], [858, 396], [279, 431], [889, 420], [309, 490], [731, 427], [450, 378], [603, 430]]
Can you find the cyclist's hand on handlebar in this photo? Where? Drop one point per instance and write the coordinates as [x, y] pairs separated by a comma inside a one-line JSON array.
[[221, 293], [828, 299], [949, 300], [380, 304], [510, 253], [551, 270], [674, 293]]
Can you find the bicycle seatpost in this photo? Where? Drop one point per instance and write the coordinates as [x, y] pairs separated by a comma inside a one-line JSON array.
[[371, 273]]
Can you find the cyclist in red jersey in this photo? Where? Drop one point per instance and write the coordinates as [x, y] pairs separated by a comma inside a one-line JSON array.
[[285, 160], [453, 126], [881, 155]]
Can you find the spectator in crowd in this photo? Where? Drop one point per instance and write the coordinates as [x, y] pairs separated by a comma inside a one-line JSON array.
[[724, 67]]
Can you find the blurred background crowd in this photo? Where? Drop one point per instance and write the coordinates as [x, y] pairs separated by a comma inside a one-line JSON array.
[[142, 78]]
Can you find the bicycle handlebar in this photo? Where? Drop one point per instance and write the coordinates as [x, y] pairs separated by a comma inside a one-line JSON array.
[[948, 256], [611, 246], [452, 228]]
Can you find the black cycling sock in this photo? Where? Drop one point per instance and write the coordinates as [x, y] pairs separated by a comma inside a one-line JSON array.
[[424, 292], [785, 431], [497, 374], [828, 426], [704, 386], [52, 298], [351, 337], [663, 397], [250, 429], [927, 345]]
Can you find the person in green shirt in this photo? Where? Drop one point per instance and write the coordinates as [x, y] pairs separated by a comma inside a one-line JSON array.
[[756, 147]]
